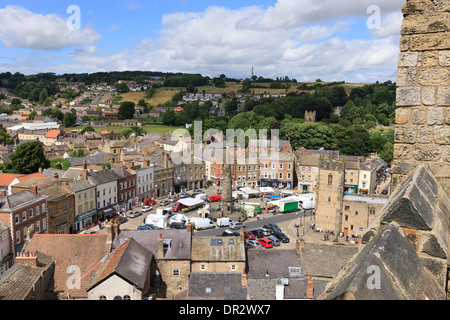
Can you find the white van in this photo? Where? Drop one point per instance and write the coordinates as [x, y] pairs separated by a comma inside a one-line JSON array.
[[200, 224], [223, 222]]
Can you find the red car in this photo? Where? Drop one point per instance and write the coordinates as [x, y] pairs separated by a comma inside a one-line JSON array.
[[248, 235], [266, 243], [214, 198]]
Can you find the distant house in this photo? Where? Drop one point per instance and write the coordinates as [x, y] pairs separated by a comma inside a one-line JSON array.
[[51, 137]]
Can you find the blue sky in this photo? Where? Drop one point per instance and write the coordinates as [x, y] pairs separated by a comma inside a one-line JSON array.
[[303, 39]]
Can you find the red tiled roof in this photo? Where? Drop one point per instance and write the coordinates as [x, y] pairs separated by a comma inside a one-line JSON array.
[[31, 175], [52, 134], [7, 178]]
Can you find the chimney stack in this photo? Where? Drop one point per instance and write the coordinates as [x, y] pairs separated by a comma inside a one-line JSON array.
[[55, 175], [110, 232], [244, 279], [26, 257], [34, 188], [310, 289], [84, 165], [160, 248]]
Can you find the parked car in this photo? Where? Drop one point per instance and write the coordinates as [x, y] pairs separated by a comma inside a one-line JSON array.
[[198, 191], [249, 235], [258, 233], [229, 233], [134, 214], [275, 241], [140, 228], [282, 237], [91, 232], [185, 195], [122, 220], [236, 225], [173, 199], [214, 198], [266, 231], [164, 202], [266, 243], [146, 208], [252, 244], [152, 226], [272, 227], [178, 225]]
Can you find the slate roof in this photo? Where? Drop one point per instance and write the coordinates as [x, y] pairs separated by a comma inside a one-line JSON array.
[[12, 201], [208, 249], [17, 282], [130, 261], [325, 260], [271, 263], [180, 248], [80, 185], [221, 285], [96, 158], [102, 177]]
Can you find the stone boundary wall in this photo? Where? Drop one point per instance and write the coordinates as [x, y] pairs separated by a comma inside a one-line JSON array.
[[422, 134]]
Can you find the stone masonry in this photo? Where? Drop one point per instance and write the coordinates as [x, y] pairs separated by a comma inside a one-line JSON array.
[[422, 134]]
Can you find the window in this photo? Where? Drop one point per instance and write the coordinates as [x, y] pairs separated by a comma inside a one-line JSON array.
[[37, 210], [280, 175], [356, 213], [43, 207], [295, 271], [233, 267], [281, 166], [31, 213], [289, 176], [203, 267], [346, 217], [102, 297], [175, 272], [346, 208], [24, 216], [126, 297], [208, 290], [18, 236], [330, 179], [17, 218]]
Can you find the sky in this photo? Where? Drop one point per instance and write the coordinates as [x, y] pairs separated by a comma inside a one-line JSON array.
[[331, 40]]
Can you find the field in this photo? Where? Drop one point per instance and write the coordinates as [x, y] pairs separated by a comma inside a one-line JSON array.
[[161, 96], [164, 94], [149, 128]]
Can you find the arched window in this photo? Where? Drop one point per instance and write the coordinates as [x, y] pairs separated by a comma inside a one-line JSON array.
[[102, 297], [126, 297]]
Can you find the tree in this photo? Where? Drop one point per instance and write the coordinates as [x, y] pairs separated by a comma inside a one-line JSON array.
[[87, 129], [69, 119], [32, 115], [29, 157], [122, 88], [387, 154], [169, 118], [5, 137], [126, 110]]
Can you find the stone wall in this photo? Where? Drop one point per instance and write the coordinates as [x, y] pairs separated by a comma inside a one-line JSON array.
[[422, 134]]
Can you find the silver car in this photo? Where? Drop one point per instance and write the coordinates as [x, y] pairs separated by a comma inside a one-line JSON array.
[[236, 225], [253, 244]]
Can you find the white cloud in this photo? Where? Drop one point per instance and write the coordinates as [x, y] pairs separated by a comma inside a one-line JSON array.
[[301, 39], [20, 28]]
